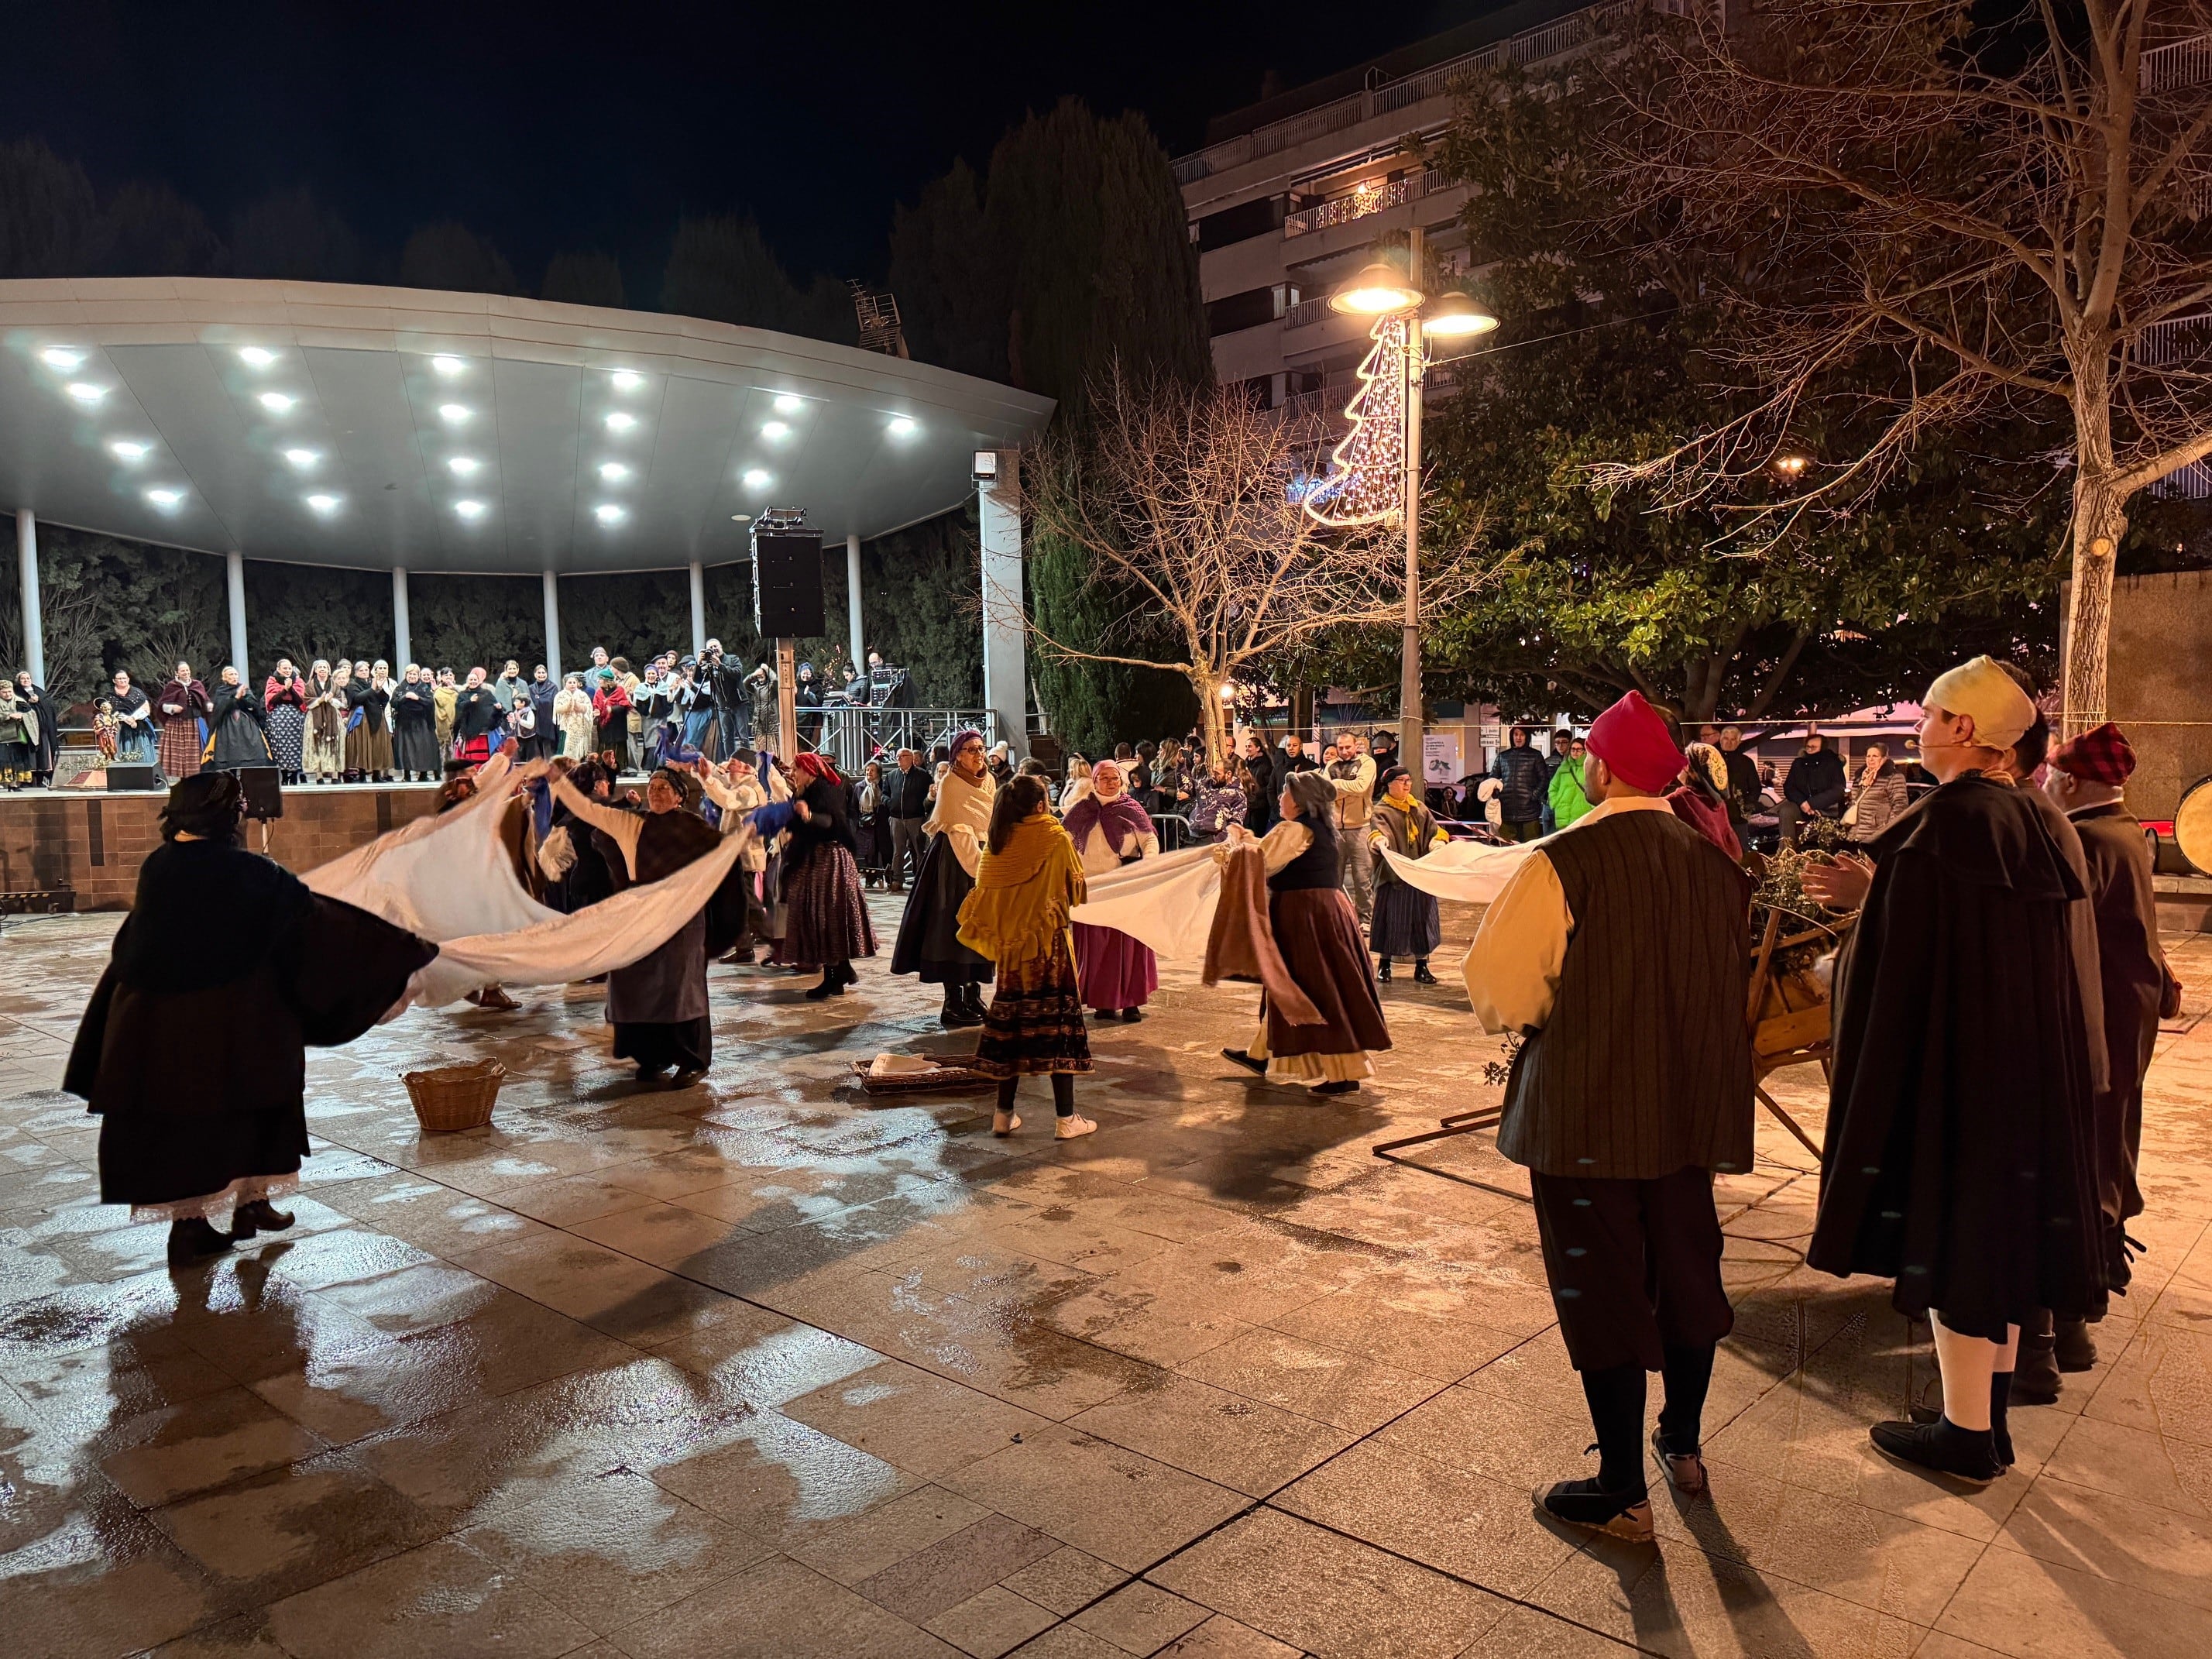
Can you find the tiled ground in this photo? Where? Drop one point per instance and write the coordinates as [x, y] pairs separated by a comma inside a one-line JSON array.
[[772, 1367]]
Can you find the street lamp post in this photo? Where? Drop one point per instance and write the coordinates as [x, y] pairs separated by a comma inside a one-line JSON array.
[[1379, 291]]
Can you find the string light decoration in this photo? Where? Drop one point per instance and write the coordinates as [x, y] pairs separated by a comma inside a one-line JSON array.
[[1367, 477]]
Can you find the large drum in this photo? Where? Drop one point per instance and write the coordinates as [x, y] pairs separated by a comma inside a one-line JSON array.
[[2192, 826]]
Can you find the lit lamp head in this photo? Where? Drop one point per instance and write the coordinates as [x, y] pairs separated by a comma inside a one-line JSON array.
[[1455, 316], [1379, 289]]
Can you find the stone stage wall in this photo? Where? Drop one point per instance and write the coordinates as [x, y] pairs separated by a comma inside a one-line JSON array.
[[91, 844]]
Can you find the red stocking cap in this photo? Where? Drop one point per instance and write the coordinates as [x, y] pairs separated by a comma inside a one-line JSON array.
[[2101, 755], [1632, 740]]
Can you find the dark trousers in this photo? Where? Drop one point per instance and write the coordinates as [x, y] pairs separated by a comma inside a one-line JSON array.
[[1522, 830], [907, 843], [1634, 1266]]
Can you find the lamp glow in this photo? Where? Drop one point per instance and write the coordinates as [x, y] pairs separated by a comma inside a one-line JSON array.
[[128, 450], [902, 426], [785, 403], [61, 357], [256, 356], [469, 509], [756, 479], [463, 466], [453, 414], [303, 458], [627, 379], [165, 499], [608, 512], [449, 365], [322, 503], [619, 422], [276, 402], [613, 471], [1377, 289], [775, 430], [85, 393], [1454, 316]]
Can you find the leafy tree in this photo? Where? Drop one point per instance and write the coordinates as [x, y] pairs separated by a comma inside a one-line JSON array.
[[151, 231], [449, 255], [289, 234], [633, 614], [719, 268], [584, 279], [49, 221], [921, 603], [305, 611]]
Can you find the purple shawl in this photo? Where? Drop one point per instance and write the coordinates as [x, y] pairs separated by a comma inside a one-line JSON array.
[[1118, 816]]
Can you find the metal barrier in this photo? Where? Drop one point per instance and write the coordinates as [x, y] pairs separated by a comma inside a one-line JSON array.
[[852, 737]]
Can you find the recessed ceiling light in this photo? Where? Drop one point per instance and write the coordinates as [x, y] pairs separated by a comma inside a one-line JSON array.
[[453, 414], [276, 402], [627, 379], [446, 363], [619, 421], [256, 356], [130, 450], [900, 426], [608, 512], [469, 509], [61, 357], [165, 498], [463, 466], [613, 471], [785, 403], [775, 430], [741, 517], [756, 479], [303, 458], [322, 503], [85, 393]]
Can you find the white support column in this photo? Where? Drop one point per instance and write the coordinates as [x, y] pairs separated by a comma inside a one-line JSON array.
[[852, 603], [698, 608], [403, 644], [1005, 668], [553, 627], [34, 626], [234, 567]]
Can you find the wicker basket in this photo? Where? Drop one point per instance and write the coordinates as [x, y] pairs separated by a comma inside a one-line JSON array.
[[451, 1097]]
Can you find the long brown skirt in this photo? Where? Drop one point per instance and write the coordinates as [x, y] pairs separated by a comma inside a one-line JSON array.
[[368, 747], [827, 915], [1318, 933]]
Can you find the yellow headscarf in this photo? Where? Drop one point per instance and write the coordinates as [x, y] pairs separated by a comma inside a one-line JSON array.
[[1022, 895]]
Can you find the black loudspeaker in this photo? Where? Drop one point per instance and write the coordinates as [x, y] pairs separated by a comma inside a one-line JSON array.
[[787, 584], [131, 777], [264, 800]]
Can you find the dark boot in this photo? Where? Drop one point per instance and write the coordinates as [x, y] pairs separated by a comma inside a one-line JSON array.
[[2075, 1350], [832, 984], [2035, 1380], [1131, 1016], [1588, 1504], [1421, 974], [1382, 973], [259, 1215], [953, 1015], [972, 1000], [192, 1240]]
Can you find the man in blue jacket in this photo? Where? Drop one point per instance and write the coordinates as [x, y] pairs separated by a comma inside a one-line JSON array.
[[1522, 771]]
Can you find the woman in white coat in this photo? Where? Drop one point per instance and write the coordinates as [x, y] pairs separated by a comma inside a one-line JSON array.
[[1117, 973], [572, 712]]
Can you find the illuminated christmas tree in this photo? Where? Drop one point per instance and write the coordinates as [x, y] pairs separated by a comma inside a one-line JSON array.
[[1367, 472]]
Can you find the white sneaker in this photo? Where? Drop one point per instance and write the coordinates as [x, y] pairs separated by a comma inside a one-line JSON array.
[[1073, 1127], [1005, 1123]]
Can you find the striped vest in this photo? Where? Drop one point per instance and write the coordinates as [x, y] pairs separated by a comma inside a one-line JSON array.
[[1645, 1065]]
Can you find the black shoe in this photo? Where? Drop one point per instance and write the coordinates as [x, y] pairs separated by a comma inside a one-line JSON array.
[[1342, 1086], [2035, 1379], [831, 986], [2073, 1347], [192, 1240], [1943, 1447], [1238, 1057], [259, 1215], [1685, 1471], [972, 1000], [1586, 1504], [1422, 976], [1131, 1016], [1382, 974], [2000, 1439], [954, 1016], [649, 1076]]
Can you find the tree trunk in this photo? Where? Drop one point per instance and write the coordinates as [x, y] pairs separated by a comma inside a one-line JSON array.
[[1210, 723], [2100, 519]]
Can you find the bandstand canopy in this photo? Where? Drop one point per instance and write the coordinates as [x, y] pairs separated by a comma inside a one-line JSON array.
[[323, 423]]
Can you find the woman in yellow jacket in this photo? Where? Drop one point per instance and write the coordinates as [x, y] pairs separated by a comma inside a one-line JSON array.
[[1027, 880]]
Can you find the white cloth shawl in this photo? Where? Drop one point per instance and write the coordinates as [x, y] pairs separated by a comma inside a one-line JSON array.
[[1465, 870], [1166, 903], [449, 880]]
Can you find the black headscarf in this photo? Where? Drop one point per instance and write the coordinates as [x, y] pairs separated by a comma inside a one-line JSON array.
[[208, 805]]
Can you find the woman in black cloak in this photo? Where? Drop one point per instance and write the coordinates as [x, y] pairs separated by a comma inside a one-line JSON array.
[[234, 725], [193, 1050], [658, 1004], [33, 698], [1960, 1159]]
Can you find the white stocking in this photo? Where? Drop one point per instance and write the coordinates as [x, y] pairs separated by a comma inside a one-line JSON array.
[[1967, 1364]]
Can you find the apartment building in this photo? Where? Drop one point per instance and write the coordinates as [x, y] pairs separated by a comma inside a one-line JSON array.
[[1290, 193]]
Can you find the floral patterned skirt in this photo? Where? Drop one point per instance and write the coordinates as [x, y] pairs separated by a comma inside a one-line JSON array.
[[1034, 1025], [826, 913]]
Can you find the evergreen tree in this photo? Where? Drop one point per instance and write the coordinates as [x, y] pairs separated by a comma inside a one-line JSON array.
[[151, 231], [721, 269], [584, 279], [288, 234], [951, 287], [449, 255], [50, 222]]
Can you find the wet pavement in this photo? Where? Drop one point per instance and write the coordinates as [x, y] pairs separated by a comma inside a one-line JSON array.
[[772, 1366]]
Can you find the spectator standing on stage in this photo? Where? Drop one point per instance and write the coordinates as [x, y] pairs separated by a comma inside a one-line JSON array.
[[545, 733], [572, 713], [44, 739], [1816, 787], [1879, 799], [234, 721], [181, 706], [907, 798], [1616, 950], [16, 726], [1353, 774], [415, 727], [324, 752], [655, 708], [611, 708], [1524, 776], [510, 683], [445, 705], [284, 705], [476, 716]]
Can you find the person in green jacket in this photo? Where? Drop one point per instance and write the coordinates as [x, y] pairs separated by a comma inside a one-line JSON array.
[[1568, 801]]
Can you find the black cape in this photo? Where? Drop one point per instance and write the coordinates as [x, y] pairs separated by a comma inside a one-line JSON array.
[[193, 1050], [1960, 1160], [234, 715]]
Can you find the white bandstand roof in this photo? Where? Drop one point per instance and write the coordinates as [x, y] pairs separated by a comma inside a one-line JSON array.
[[321, 424]]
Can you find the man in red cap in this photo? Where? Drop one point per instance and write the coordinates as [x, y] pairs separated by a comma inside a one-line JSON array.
[[1617, 952], [2086, 778]]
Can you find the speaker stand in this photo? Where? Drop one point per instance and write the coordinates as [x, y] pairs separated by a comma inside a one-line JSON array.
[[787, 701]]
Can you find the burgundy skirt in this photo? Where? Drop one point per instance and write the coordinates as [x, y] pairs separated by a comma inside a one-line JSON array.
[[826, 915], [1318, 933], [1116, 971]]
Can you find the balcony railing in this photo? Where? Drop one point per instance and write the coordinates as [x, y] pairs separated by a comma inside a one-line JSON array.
[[2184, 63], [1315, 310], [2178, 340], [1532, 46], [854, 737], [1377, 198]]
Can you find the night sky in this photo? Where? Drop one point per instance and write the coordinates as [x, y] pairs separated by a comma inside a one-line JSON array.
[[555, 127]]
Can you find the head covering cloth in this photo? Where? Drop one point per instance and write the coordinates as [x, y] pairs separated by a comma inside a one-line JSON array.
[[2101, 755], [1634, 742], [2002, 712], [207, 805], [811, 766]]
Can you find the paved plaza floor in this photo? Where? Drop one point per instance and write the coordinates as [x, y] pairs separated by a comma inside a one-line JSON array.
[[771, 1366]]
